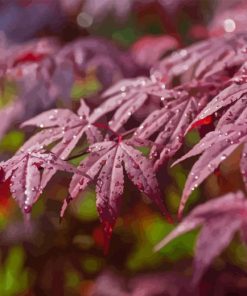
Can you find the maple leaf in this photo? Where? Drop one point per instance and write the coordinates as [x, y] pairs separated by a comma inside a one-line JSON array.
[[214, 58], [236, 113], [21, 63], [160, 283], [45, 72], [30, 67], [235, 89], [109, 62], [202, 59], [63, 127], [63, 124], [106, 164], [169, 124], [24, 172], [214, 237], [16, 57], [215, 147], [159, 45], [126, 98], [145, 284]]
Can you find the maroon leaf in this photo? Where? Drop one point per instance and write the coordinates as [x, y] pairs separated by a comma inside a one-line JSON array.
[[236, 113], [45, 72], [236, 90], [65, 126], [214, 215], [127, 97], [24, 172], [212, 240], [170, 123], [99, 55], [158, 45], [215, 148], [202, 59], [145, 284], [106, 163]]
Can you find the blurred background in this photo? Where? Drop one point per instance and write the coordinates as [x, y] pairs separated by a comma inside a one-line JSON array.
[[52, 53]]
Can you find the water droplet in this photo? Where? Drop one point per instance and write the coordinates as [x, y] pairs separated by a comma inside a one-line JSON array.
[[84, 20], [27, 209], [229, 25], [223, 157]]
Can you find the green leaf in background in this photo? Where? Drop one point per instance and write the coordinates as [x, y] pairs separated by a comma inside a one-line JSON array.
[[92, 264], [72, 279], [13, 278], [12, 141], [85, 208], [39, 207], [3, 221], [173, 194], [152, 232], [144, 150], [192, 138], [237, 253], [84, 88], [125, 36], [7, 94], [83, 241]]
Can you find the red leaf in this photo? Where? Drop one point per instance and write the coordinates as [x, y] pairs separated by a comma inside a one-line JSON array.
[[5, 196], [205, 121], [99, 236], [29, 57]]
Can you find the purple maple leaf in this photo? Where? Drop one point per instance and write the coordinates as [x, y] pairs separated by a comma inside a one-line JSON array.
[[63, 127], [169, 124], [147, 284], [106, 164], [202, 59], [215, 147], [45, 72], [236, 113], [25, 173], [159, 45], [234, 90], [126, 98], [214, 237]]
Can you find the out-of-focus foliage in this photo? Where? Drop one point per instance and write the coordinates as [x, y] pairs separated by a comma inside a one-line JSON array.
[[55, 54]]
